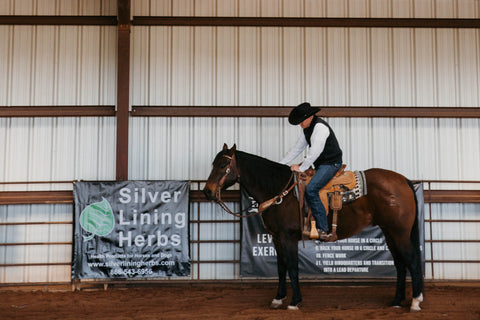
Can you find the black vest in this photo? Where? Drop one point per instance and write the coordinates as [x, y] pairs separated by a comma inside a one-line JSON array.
[[331, 153]]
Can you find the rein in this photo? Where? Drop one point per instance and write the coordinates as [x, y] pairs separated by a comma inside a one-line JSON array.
[[277, 199], [263, 206]]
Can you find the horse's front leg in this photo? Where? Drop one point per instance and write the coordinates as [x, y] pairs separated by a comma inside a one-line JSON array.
[[287, 261], [282, 277], [292, 267]]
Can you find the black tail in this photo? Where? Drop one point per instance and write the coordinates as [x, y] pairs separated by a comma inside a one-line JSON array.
[[415, 236]]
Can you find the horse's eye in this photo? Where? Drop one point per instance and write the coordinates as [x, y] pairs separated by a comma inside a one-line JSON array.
[[223, 165]]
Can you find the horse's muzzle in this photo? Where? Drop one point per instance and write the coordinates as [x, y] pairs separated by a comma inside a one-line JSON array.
[[209, 194]]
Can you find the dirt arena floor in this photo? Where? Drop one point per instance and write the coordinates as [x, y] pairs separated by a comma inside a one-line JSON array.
[[237, 301]]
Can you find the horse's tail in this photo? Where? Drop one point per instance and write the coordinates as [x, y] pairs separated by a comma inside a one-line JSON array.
[[415, 234]]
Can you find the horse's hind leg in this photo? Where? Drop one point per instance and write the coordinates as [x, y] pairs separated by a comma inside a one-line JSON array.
[[401, 271], [415, 268], [406, 254]]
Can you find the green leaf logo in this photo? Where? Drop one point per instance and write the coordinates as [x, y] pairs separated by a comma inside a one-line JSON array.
[[97, 219]]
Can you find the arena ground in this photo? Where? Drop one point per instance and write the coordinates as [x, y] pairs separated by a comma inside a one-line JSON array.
[[236, 301]]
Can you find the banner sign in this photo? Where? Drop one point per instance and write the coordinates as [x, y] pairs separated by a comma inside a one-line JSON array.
[[363, 255], [131, 229]]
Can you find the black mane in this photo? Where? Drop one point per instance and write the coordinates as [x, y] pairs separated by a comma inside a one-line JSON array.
[[267, 175]]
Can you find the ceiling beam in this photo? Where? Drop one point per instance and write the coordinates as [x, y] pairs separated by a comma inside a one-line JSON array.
[[329, 112], [304, 22], [57, 111], [36, 197], [59, 20], [240, 111], [238, 21]]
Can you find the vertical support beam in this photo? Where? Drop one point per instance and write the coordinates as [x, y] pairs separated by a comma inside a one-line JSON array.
[[123, 88]]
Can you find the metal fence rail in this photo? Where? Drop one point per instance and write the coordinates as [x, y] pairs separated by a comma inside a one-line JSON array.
[[433, 196], [435, 193]]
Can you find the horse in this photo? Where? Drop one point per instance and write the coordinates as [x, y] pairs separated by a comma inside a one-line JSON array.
[[390, 203]]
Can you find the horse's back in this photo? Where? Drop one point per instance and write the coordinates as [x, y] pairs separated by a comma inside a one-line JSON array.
[[384, 177]]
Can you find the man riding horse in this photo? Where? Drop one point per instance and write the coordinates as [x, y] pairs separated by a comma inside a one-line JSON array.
[[324, 154]]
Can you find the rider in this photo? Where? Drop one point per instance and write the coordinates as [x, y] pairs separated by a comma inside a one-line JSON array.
[[324, 153]]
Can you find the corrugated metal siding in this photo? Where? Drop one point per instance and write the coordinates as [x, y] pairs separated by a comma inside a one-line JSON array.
[[58, 7], [51, 65], [332, 67], [310, 8], [58, 65], [57, 149]]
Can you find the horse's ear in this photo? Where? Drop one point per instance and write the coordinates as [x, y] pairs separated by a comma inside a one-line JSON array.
[[225, 146], [234, 148]]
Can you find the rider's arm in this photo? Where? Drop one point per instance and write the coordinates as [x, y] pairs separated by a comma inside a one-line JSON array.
[[319, 137], [299, 146]]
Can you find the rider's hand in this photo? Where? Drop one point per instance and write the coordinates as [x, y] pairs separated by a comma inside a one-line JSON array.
[[295, 167]]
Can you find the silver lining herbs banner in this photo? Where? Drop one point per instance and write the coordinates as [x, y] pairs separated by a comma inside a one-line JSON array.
[[131, 229]]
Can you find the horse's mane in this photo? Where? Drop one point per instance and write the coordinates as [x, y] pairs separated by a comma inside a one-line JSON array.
[[268, 175]]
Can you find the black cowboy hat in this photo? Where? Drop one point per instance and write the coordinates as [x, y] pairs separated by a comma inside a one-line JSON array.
[[302, 112]]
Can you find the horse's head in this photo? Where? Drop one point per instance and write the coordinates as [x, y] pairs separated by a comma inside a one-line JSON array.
[[224, 173]]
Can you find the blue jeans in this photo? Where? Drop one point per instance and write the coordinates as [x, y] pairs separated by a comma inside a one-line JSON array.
[[319, 180]]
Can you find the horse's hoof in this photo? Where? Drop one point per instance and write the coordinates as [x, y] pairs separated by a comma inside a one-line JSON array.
[[276, 303], [415, 309], [396, 304], [294, 308], [415, 306]]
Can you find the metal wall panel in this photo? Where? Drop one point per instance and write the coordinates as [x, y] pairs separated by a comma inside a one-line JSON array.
[[51, 65], [57, 149], [310, 8], [58, 7], [333, 67]]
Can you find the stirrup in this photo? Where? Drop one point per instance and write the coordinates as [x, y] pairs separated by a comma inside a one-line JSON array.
[[313, 231], [316, 234]]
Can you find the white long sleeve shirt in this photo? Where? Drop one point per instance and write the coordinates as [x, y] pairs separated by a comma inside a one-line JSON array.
[[318, 139]]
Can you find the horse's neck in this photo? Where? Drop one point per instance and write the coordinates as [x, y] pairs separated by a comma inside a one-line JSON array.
[[259, 179]]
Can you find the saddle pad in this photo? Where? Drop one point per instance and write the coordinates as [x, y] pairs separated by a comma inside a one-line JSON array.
[[360, 184], [353, 185]]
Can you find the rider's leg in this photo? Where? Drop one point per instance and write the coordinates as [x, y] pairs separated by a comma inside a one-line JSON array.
[[319, 180]]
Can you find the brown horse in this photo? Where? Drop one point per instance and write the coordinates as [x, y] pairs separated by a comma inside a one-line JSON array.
[[390, 204]]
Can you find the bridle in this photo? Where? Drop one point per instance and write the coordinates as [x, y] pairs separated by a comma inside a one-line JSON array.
[[232, 168]]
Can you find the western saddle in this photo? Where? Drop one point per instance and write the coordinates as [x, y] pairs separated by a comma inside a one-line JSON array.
[[342, 181]]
